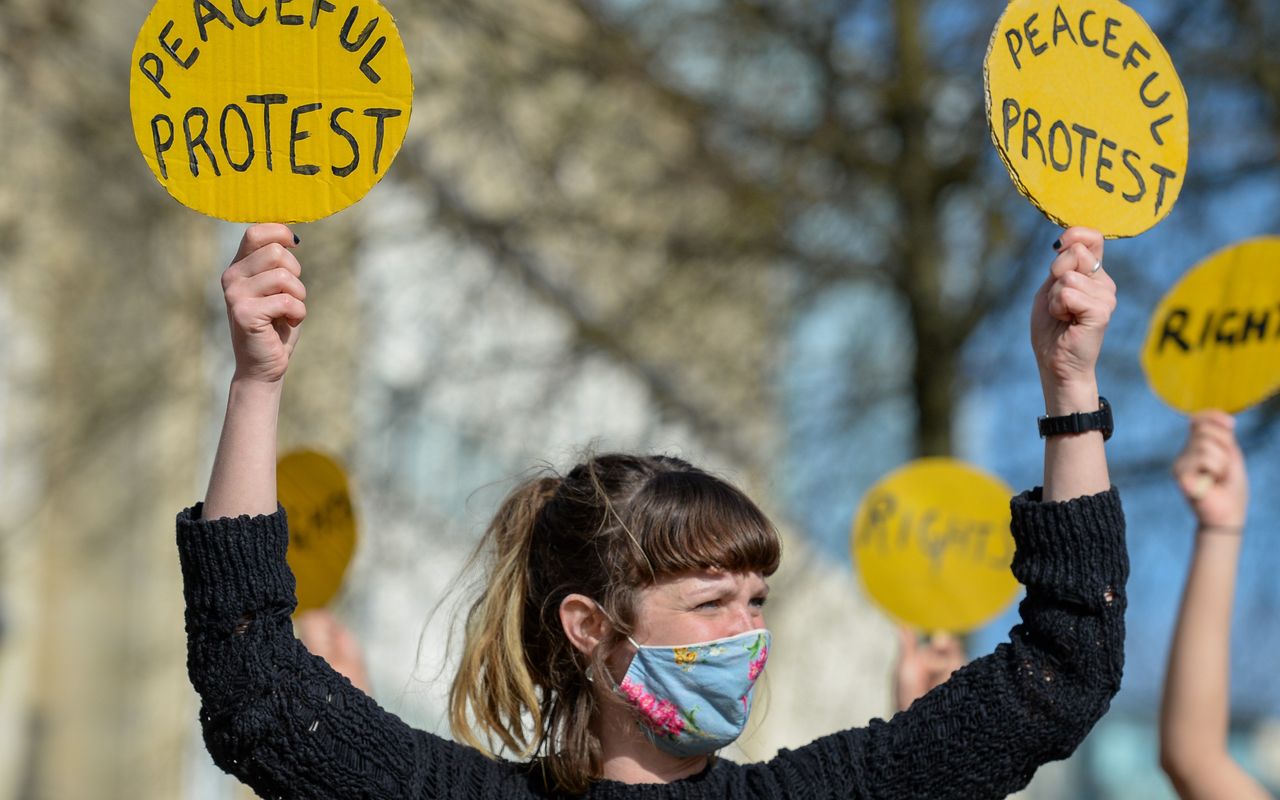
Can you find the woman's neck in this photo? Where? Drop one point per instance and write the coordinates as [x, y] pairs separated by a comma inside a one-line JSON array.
[[629, 757]]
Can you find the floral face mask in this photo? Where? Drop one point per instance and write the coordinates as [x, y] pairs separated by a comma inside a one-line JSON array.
[[695, 699]]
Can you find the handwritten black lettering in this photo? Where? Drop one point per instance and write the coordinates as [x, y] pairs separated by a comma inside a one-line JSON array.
[[1165, 174], [1085, 135], [1009, 37], [1104, 163], [161, 146], [1223, 335], [1012, 112], [156, 73], [197, 140], [1032, 33], [337, 128], [207, 12], [344, 36], [238, 166], [1142, 92], [1206, 330], [1129, 60], [286, 19], [1109, 36], [1031, 133], [267, 101], [1061, 25], [1155, 132], [1128, 157], [365, 65], [237, 8], [296, 136], [1084, 37], [1059, 127], [320, 5], [1256, 325], [172, 48], [1171, 330], [381, 115]]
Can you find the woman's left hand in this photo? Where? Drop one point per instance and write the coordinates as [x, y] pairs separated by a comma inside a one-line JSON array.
[[1070, 315]]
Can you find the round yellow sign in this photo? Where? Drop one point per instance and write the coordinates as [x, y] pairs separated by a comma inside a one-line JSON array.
[[1088, 113], [322, 528], [931, 543], [1214, 340], [269, 110]]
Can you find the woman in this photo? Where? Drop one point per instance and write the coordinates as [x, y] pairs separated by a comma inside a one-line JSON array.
[[621, 630], [1194, 716]]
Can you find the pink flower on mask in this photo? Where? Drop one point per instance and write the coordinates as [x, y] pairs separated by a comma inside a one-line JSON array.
[[757, 664], [661, 716]]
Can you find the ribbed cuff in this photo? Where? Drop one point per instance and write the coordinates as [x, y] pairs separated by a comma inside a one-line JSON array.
[[235, 565], [1077, 543]]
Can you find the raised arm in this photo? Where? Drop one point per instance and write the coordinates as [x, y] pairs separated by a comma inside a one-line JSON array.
[[1194, 714], [1068, 319], [985, 731], [274, 715], [265, 307]]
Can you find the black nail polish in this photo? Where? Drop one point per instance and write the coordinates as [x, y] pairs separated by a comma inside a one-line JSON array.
[[1057, 245], [296, 240]]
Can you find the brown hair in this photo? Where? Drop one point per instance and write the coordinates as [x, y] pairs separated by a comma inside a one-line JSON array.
[[612, 525]]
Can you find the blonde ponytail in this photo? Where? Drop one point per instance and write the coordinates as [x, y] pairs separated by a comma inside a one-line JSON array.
[[495, 688]]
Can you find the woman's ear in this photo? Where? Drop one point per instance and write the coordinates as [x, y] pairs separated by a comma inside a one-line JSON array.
[[584, 622]]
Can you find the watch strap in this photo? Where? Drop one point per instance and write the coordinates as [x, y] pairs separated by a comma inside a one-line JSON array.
[[1079, 422]]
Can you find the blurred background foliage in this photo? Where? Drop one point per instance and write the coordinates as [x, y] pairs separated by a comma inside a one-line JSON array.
[[770, 235]]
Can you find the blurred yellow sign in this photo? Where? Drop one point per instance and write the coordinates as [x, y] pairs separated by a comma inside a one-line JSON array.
[[1214, 340], [931, 543], [1088, 113], [269, 110], [322, 528]]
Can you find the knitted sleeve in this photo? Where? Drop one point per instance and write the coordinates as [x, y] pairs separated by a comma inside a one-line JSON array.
[[984, 732], [274, 715]]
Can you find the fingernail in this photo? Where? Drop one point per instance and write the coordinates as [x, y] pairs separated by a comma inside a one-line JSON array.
[[296, 240], [1057, 245]]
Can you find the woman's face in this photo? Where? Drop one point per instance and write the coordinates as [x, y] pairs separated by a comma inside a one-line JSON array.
[[700, 606]]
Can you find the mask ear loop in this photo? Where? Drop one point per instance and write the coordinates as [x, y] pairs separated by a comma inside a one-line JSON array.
[[589, 671]]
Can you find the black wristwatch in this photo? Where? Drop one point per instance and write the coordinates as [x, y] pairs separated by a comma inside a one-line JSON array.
[[1099, 420]]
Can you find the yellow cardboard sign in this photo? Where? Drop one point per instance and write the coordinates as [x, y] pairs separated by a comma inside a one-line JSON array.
[[1214, 340], [322, 528], [931, 543], [1088, 113], [269, 110]]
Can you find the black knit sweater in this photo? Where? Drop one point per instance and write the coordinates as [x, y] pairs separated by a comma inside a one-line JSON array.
[[282, 721]]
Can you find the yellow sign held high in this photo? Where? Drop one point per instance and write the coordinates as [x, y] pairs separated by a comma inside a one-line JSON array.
[[1214, 340], [931, 543], [1088, 113], [269, 110], [322, 528]]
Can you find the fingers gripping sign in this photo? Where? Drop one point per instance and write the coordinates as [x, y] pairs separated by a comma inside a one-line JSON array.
[[1072, 309], [265, 300], [1210, 471]]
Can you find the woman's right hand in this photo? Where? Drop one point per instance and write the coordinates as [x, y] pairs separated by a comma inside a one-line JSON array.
[[264, 296], [1211, 473]]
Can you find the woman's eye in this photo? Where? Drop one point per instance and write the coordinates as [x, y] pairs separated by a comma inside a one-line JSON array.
[[709, 604], [759, 602]]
